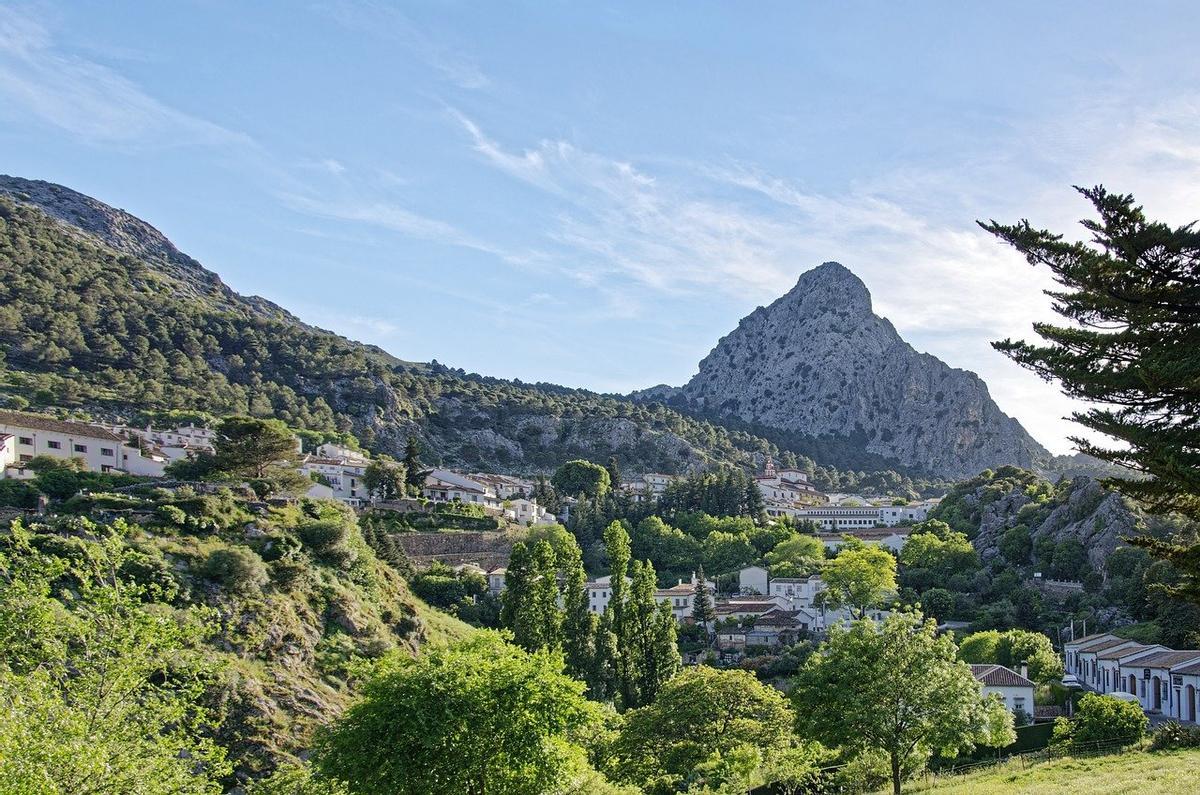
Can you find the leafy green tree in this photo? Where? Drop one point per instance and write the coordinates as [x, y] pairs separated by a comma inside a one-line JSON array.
[[725, 552], [701, 712], [798, 556], [581, 477], [649, 641], [580, 626], [895, 687], [481, 716], [530, 599], [99, 692], [1016, 545], [932, 558], [1013, 648], [937, 603], [860, 577], [1132, 296], [385, 478]]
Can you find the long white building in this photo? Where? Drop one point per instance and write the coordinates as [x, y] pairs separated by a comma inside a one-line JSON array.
[[99, 449]]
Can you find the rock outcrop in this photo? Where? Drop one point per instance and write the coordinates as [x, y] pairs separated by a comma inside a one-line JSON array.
[[819, 362]]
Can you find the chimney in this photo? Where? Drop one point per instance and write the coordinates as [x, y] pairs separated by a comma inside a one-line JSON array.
[[1024, 670]]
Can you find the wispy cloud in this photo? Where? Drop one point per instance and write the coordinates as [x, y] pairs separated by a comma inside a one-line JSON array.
[[87, 99], [382, 19]]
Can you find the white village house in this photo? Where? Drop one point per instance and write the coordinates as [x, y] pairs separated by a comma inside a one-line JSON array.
[[98, 448], [1015, 689]]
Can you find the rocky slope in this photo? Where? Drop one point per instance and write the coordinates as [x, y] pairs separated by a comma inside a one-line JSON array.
[[818, 362], [987, 506]]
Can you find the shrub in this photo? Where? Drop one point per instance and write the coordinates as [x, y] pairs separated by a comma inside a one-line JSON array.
[[1174, 734], [171, 514], [237, 569], [322, 534], [1102, 718]]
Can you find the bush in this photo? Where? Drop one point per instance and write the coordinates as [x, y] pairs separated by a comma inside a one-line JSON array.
[[322, 534], [237, 569], [1174, 734], [171, 514], [1102, 718]]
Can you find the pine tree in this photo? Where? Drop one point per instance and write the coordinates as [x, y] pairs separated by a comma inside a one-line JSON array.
[[614, 473], [703, 611], [1133, 297], [414, 471], [755, 507]]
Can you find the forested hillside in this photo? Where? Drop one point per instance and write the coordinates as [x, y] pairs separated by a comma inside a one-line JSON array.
[[142, 328]]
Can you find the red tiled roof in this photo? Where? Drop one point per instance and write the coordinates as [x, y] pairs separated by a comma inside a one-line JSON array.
[[999, 676]]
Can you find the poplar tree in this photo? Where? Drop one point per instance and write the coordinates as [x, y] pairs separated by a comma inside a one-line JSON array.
[[1131, 295], [580, 626]]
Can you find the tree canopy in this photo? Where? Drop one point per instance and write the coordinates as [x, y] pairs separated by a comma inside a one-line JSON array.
[[481, 716], [895, 687]]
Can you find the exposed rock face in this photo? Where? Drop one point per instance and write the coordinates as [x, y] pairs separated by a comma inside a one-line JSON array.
[[819, 362], [1098, 517]]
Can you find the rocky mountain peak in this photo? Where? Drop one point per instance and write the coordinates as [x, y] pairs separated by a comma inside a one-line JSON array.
[[819, 363]]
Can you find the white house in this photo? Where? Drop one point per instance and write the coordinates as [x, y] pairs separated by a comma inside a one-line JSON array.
[[836, 517], [505, 487], [883, 537], [798, 589], [1013, 688], [1156, 689], [442, 485], [344, 475], [8, 451], [1072, 648], [495, 579], [1089, 658], [100, 449], [1186, 678], [892, 515], [527, 512], [175, 443]]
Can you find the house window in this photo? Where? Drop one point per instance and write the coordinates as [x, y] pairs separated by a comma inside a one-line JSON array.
[[107, 451], [81, 448], [26, 440], [25, 457], [54, 445]]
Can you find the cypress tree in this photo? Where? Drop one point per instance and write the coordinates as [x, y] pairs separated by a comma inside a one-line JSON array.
[[542, 622], [703, 611]]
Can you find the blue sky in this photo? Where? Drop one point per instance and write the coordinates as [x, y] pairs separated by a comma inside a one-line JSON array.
[[593, 193]]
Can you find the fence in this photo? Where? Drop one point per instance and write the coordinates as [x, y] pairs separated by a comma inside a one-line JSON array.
[[1027, 759]]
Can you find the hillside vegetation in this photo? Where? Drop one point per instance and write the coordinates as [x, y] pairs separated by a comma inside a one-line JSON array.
[[286, 605]]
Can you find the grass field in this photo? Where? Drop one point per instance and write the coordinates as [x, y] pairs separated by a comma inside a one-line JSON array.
[[1133, 772]]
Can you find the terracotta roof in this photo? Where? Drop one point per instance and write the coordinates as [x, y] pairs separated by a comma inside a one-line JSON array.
[[42, 423], [999, 676], [1169, 659], [745, 607]]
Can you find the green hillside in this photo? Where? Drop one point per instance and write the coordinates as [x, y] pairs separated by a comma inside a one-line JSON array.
[[1162, 772]]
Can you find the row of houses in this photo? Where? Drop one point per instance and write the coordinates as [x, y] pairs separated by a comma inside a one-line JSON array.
[[1162, 680]]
